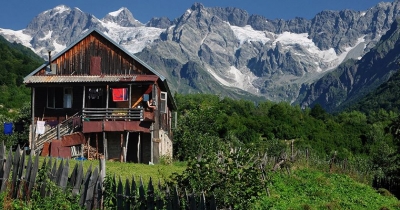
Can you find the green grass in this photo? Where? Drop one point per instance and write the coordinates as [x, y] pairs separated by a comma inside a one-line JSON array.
[[128, 170], [312, 189]]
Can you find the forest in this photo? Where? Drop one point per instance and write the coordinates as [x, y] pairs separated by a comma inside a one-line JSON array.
[[208, 123]]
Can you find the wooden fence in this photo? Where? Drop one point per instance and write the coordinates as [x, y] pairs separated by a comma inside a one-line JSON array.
[[20, 177]]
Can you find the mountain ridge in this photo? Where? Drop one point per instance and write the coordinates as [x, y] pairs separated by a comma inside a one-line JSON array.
[[210, 49]]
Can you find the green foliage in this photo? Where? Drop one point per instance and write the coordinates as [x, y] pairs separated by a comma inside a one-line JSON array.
[[16, 62], [206, 123], [236, 177], [22, 116]]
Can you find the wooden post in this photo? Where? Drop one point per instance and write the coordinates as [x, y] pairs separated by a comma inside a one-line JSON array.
[[105, 146], [102, 176], [83, 97], [121, 156], [130, 96], [151, 143], [33, 130], [97, 146], [88, 147], [138, 148], [126, 145]]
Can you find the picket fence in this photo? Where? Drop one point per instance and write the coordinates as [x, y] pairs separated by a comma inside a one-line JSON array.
[[19, 177]]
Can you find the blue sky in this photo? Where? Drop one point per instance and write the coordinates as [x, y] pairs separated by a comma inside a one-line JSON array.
[[16, 14]]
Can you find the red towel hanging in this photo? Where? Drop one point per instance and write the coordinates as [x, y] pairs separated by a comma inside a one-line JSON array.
[[120, 94]]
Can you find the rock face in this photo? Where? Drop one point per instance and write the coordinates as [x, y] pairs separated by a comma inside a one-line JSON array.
[[226, 50], [355, 78]]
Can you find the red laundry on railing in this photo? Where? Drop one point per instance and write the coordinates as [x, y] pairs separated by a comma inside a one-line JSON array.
[[120, 94]]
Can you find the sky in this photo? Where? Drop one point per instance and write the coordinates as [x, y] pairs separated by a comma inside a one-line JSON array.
[[16, 14]]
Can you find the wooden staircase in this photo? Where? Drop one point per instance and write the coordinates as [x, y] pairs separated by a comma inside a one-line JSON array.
[[66, 127]]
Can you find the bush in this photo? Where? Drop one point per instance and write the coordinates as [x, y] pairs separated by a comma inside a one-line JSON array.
[[234, 177]]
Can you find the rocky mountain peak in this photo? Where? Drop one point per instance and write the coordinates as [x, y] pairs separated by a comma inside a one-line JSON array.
[[226, 47], [197, 6], [162, 22], [122, 17]]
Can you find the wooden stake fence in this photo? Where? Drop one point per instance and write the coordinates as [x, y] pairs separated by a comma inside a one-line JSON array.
[[92, 191]]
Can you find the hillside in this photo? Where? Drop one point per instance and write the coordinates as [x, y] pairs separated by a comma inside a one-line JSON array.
[[386, 97], [314, 189], [16, 61]]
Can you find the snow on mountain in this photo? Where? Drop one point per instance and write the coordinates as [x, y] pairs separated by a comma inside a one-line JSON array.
[[248, 34], [133, 39], [57, 10], [116, 13], [17, 36], [265, 57], [237, 79]]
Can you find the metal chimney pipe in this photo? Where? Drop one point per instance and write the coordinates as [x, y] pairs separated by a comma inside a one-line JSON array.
[[50, 60]]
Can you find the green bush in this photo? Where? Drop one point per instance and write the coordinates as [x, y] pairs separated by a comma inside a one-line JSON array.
[[235, 177]]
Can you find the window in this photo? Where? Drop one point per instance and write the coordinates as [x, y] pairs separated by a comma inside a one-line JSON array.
[[163, 103], [59, 97], [67, 97]]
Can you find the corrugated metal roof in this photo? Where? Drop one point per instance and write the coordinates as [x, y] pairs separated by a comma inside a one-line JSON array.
[[89, 78]]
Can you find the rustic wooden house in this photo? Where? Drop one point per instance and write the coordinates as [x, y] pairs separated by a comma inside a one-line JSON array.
[[93, 98]]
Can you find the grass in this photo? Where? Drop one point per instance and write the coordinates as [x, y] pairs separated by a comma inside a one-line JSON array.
[[131, 170], [313, 189]]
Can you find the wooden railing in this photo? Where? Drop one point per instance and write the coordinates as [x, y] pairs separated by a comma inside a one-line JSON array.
[[67, 126], [112, 114]]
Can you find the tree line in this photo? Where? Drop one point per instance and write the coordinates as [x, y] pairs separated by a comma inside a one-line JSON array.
[[208, 123]]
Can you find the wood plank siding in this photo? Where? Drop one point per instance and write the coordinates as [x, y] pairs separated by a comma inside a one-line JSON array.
[[100, 90], [77, 59]]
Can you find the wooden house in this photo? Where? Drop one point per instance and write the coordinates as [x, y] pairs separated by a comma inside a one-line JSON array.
[[91, 100]]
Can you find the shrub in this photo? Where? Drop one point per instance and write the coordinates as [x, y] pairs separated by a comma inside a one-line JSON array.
[[234, 177]]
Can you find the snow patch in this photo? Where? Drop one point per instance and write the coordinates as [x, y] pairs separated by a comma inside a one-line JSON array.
[[60, 9], [58, 47], [237, 79], [133, 39], [328, 57], [17, 36], [116, 13], [248, 34], [47, 36]]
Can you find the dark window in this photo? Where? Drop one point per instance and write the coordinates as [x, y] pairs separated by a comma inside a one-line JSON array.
[[59, 97]]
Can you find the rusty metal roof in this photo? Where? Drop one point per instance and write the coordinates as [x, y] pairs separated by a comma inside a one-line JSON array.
[[89, 78]]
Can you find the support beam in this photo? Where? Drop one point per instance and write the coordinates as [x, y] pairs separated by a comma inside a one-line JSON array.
[[88, 147], [151, 144], [97, 146], [138, 149], [121, 155], [83, 97], [149, 89], [126, 145], [105, 145], [33, 130]]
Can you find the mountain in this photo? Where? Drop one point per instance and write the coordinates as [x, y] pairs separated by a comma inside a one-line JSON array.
[[386, 96], [352, 80], [225, 51]]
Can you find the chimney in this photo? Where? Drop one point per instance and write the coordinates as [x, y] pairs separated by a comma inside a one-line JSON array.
[[50, 59]]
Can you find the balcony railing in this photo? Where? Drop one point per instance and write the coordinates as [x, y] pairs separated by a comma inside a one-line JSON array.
[[89, 114]]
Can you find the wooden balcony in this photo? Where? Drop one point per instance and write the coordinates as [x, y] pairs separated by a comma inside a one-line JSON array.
[[116, 119], [112, 114]]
